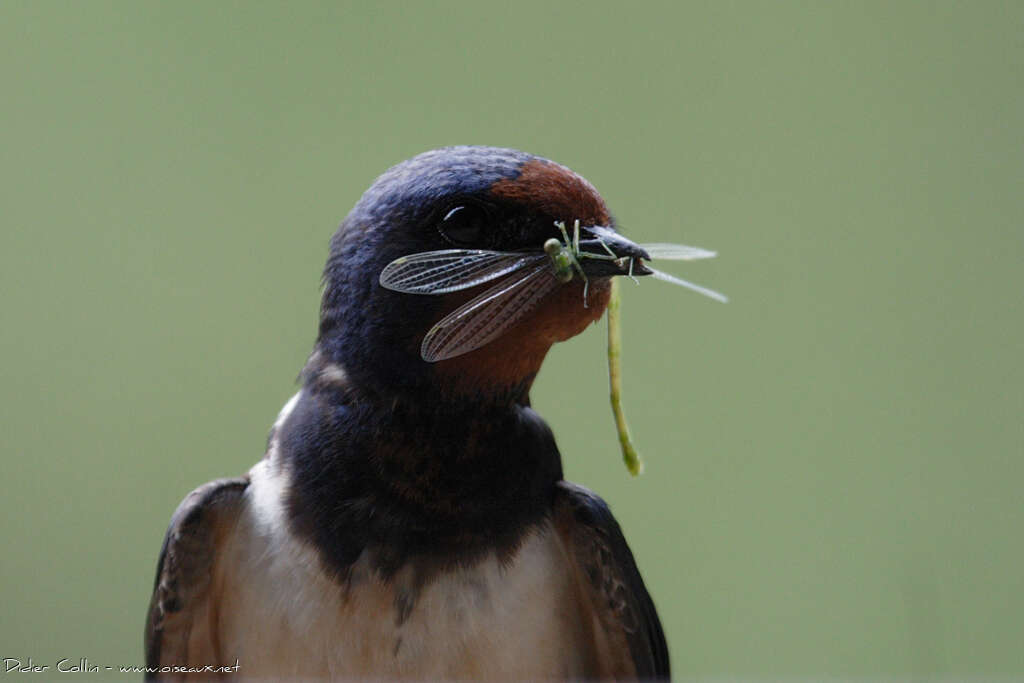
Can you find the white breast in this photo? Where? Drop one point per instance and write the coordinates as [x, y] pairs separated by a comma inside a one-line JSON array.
[[282, 616]]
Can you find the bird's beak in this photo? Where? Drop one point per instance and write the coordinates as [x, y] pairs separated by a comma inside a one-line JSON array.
[[598, 241]]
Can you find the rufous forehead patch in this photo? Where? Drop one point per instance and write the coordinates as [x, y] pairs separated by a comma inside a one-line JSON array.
[[556, 190]]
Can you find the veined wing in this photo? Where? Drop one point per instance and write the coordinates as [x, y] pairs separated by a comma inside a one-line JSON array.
[[449, 270], [661, 250], [689, 285], [676, 252], [484, 318]]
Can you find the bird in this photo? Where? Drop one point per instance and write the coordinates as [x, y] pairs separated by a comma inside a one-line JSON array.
[[409, 518]]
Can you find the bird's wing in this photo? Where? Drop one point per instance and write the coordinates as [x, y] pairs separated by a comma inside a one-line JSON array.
[[183, 607], [617, 596]]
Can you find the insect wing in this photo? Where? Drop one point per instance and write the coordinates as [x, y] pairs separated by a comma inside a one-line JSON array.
[[449, 270], [676, 252], [689, 285], [484, 318]]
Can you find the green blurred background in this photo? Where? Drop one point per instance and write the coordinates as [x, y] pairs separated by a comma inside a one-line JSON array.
[[834, 459]]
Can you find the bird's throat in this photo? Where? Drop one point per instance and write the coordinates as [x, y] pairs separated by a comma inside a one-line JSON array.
[[505, 368]]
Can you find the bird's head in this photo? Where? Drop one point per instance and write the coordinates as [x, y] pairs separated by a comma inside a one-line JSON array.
[[467, 198]]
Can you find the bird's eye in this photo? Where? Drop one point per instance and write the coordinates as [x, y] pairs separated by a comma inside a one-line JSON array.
[[465, 226]]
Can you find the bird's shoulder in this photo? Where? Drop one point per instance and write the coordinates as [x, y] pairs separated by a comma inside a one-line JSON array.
[[619, 599], [183, 576]]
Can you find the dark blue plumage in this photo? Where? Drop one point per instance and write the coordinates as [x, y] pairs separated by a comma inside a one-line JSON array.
[[447, 482], [405, 192], [370, 330]]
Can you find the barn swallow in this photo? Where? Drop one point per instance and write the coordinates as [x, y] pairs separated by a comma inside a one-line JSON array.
[[409, 518]]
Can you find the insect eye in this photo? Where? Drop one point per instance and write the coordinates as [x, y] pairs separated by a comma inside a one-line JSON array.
[[465, 226]]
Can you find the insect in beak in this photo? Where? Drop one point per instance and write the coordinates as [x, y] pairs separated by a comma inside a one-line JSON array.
[[601, 253], [627, 257], [523, 280]]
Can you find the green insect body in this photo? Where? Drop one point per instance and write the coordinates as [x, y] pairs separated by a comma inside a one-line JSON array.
[[562, 259], [630, 456], [565, 256]]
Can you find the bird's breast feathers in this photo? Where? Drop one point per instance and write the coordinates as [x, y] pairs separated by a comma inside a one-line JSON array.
[[282, 615]]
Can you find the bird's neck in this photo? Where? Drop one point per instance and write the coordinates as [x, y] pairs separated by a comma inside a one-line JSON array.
[[401, 477]]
